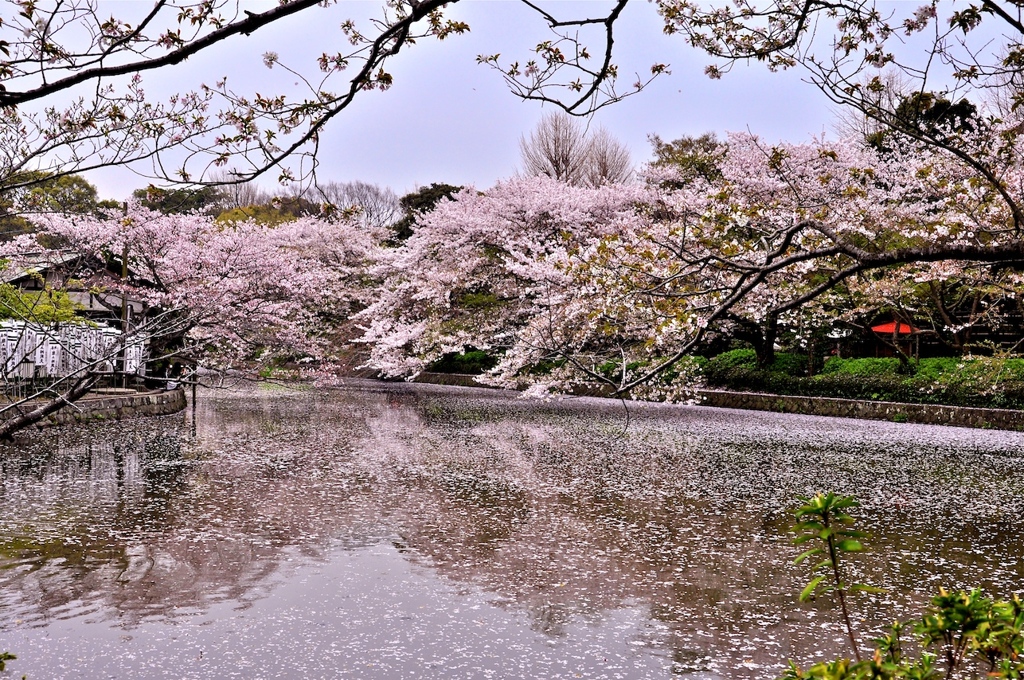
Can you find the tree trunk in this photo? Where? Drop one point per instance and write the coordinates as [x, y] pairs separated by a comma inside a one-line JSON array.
[[765, 349], [78, 390]]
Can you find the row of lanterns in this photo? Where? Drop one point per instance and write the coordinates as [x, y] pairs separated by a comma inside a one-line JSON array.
[[31, 351]]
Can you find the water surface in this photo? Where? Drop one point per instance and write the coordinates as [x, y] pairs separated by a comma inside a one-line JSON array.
[[385, 531]]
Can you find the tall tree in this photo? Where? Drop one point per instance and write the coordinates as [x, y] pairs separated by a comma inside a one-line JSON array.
[[178, 201], [420, 202], [44, 193], [485, 270], [562, 148], [226, 296], [376, 207], [689, 158]]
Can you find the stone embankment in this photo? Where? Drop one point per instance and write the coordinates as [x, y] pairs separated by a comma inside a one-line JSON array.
[[117, 405], [928, 414]]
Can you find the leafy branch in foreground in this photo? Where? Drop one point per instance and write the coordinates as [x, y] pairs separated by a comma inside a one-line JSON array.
[[961, 635], [821, 519]]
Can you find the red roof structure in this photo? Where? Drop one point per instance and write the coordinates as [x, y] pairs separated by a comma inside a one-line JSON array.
[[897, 327]]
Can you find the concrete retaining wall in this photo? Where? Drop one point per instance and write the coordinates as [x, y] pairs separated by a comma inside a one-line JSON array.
[[118, 407], [928, 414]]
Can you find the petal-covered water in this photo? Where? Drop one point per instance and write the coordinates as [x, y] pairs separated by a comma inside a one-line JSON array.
[[392, 531]]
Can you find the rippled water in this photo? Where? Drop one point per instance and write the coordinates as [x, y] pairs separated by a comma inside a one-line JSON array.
[[393, 531]]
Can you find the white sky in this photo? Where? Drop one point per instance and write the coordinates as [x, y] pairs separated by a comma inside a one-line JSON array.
[[448, 119]]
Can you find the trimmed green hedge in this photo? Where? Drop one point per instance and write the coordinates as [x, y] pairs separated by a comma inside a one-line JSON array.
[[981, 382], [785, 362], [473, 362]]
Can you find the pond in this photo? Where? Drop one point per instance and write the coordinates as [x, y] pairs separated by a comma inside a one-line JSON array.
[[401, 531]]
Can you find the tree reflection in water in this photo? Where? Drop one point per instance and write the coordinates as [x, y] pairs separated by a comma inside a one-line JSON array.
[[465, 521]]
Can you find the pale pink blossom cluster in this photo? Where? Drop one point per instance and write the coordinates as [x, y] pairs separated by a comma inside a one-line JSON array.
[[490, 271], [225, 292], [567, 285], [570, 285]]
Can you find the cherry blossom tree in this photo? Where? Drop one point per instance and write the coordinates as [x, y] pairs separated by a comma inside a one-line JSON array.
[[223, 296], [487, 271], [779, 236], [788, 228]]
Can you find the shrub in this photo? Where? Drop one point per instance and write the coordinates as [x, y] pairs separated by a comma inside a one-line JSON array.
[[473, 362], [732, 359], [992, 383], [789, 363], [786, 363], [880, 366], [932, 369]]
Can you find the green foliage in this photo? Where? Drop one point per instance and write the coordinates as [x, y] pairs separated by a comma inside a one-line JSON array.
[[862, 367], [823, 523], [789, 363], [45, 307], [4, 658], [418, 203], [65, 194], [473, 362], [426, 198], [962, 634], [693, 157], [177, 201], [786, 363], [985, 382], [746, 358], [39, 193]]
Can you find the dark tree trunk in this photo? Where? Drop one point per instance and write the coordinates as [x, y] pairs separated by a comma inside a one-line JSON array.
[[765, 347]]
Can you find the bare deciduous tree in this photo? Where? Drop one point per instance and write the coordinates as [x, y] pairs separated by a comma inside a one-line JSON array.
[[378, 206], [891, 89], [557, 148], [234, 195], [609, 161], [560, 147]]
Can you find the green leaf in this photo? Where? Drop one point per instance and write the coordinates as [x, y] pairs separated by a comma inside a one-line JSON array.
[[849, 545], [803, 556], [811, 587]]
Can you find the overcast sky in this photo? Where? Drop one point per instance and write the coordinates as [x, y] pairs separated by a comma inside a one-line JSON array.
[[448, 119]]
